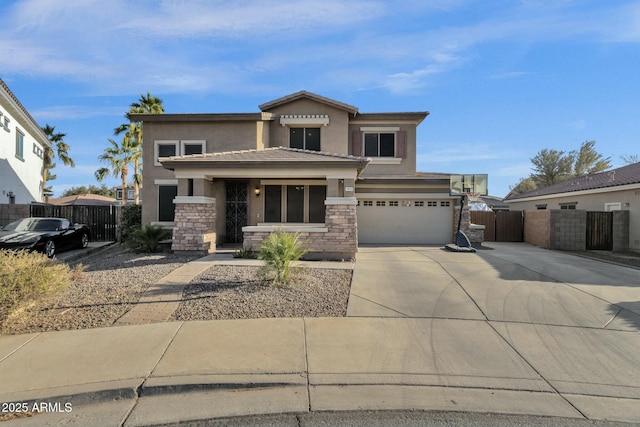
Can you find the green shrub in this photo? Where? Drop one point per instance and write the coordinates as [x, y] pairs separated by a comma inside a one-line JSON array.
[[279, 250], [130, 221], [245, 253], [147, 238], [28, 276]]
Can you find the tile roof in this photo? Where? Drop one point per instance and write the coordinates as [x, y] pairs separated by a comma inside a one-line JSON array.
[[625, 175], [309, 95], [281, 154]]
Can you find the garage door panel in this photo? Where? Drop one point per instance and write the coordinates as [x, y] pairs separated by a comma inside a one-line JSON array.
[[410, 222]]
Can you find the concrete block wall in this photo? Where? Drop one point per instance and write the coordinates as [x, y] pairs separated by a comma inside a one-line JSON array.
[[537, 228], [620, 231], [194, 229], [10, 213], [569, 230]]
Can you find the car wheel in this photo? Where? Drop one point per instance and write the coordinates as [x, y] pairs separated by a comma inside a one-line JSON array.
[[84, 240], [50, 248]]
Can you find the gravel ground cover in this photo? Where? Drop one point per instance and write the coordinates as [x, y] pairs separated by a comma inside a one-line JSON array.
[[111, 284], [230, 292]]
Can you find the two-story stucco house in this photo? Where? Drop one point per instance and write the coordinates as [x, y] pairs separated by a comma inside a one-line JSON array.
[[22, 145], [305, 163]]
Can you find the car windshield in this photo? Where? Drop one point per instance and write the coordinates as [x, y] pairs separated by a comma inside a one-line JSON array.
[[33, 224]]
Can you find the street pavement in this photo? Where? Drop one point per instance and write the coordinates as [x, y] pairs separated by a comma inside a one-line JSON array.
[[512, 329]]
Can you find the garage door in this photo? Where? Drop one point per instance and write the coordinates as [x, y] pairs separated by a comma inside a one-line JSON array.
[[405, 221]]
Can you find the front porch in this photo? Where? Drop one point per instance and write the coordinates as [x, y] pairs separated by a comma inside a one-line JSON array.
[[225, 201]]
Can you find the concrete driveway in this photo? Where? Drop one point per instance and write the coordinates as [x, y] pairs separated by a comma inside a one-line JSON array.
[[573, 321], [506, 282]]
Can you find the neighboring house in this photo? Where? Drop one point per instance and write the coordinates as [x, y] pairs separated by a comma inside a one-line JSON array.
[[303, 163], [130, 194], [22, 144], [84, 200], [495, 203], [617, 189]]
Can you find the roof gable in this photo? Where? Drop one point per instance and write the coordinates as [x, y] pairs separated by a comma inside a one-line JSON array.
[[303, 94], [625, 175]]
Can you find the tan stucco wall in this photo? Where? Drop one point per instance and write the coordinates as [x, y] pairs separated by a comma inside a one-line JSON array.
[[407, 165], [629, 200], [219, 136], [333, 137]]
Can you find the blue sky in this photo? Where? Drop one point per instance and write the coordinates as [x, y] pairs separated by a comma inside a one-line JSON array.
[[501, 79]]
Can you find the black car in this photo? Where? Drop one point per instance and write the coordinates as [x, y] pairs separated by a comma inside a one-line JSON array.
[[47, 235]]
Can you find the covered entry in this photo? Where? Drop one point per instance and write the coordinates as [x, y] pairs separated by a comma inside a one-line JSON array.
[[398, 221]]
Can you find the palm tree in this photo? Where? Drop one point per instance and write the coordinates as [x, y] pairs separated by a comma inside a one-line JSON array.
[[149, 104], [62, 151], [118, 157]]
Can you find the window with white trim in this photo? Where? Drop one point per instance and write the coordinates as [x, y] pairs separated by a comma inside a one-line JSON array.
[[418, 203], [393, 203], [304, 138], [164, 149], [368, 203], [445, 204], [379, 144], [568, 206], [192, 147], [432, 203], [380, 203]]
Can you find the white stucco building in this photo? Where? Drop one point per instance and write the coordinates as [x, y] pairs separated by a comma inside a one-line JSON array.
[[22, 144]]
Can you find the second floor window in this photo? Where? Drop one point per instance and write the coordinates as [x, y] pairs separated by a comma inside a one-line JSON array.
[[305, 138], [19, 145], [379, 144]]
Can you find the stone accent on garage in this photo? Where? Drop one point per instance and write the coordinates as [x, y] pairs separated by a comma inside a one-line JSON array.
[[195, 224], [336, 240]]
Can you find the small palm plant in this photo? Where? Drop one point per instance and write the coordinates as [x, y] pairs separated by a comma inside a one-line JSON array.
[[148, 237], [278, 251]]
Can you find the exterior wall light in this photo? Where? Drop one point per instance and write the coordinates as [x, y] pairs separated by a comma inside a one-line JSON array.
[[257, 191]]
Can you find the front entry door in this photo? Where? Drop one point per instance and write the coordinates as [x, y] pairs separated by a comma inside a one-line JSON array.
[[236, 210]]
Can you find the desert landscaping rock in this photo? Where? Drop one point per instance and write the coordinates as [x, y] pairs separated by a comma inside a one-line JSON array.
[[229, 292], [111, 284], [114, 280]]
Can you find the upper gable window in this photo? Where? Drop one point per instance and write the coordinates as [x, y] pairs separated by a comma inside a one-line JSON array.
[[305, 138]]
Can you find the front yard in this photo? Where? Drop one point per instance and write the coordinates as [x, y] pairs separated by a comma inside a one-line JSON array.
[[114, 279]]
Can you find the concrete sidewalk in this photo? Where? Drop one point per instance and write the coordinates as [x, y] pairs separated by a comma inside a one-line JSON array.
[[500, 350]]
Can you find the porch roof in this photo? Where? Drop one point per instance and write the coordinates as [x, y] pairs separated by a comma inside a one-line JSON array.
[[268, 158]]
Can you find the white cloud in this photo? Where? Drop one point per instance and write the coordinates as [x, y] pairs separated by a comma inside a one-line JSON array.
[[74, 112]]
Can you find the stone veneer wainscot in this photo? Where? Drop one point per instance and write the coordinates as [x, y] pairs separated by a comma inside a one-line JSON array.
[[337, 239]]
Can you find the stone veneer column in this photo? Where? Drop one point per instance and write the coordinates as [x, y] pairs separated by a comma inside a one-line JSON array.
[[340, 219], [475, 234], [194, 224]]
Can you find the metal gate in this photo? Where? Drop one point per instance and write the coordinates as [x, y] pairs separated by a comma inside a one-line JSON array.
[[235, 210], [600, 231], [101, 220]]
